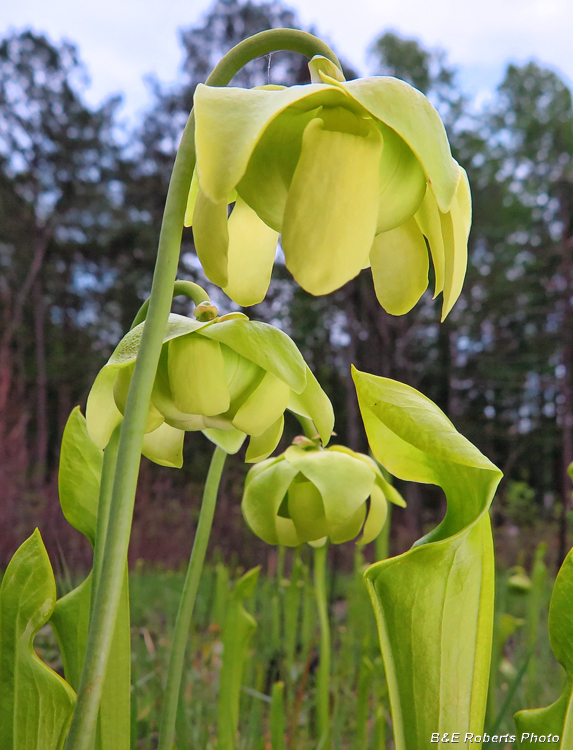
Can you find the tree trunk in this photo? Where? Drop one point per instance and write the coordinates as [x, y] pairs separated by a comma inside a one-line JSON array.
[[41, 385]]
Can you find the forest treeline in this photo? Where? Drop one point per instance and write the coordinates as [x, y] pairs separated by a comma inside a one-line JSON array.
[[80, 208]]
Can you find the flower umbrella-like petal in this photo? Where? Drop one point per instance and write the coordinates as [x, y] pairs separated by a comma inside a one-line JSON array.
[[229, 440], [251, 254], [164, 446], [314, 404], [102, 415], [211, 237], [343, 481], [430, 223], [264, 493], [399, 261], [266, 182], [261, 446], [263, 407], [332, 205], [402, 182], [266, 346], [376, 516], [230, 121], [197, 375], [455, 231], [407, 111]]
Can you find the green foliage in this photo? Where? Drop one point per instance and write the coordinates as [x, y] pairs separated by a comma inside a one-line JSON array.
[[557, 718], [36, 704], [442, 590], [519, 504]]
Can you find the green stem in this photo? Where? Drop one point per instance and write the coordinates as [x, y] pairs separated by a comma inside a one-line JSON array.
[[185, 613], [106, 603], [181, 288], [103, 508], [323, 680]]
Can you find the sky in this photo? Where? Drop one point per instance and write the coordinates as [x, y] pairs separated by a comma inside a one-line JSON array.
[[121, 41]]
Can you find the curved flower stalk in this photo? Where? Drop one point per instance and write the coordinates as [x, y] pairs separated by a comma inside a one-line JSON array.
[[351, 174], [315, 495], [557, 719], [229, 377], [434, 603]]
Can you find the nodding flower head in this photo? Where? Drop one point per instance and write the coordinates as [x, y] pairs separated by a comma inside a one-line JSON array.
[[350, 174], [311, 494], [229, 377]]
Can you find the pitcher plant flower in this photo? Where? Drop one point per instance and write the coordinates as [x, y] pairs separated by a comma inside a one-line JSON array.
[[229, 377], [349, 174], [311, 494]]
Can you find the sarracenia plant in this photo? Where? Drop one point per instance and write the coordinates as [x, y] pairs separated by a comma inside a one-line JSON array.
[[350, 175]]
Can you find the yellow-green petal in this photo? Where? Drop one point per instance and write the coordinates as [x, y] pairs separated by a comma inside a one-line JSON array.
[[192, 199], [399, 261], [343, 481], [266, 182], [320, 64], [164, 446], [429, 221], [350, 529], [229, 440], [102, 415], [252, 248], [211, 237], [286, 533], [332, 205], [197, 375], [263, 495], [263, 407], [376, 516], [407, 111], [120, 393], [402, 182], [230, 121], [261, 446], [314, 404], [306, 509], [455, 230]]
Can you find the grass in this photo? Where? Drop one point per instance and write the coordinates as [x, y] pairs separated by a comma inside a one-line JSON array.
[[284, 648]]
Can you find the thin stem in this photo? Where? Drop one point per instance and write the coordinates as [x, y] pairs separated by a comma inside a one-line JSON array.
[[185, 613], [106, 603], [103, 508], [323, 680], [181, 288]]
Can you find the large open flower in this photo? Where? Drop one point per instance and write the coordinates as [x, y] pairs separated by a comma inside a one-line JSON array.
[[351, 174], [309, 494], [229, 377]]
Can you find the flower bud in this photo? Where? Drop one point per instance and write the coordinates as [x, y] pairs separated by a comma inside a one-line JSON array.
[[311, 494], [229, 377]]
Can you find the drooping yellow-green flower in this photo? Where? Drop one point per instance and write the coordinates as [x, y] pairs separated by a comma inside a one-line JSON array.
[[229, 377], [350, 174], [311, 494]]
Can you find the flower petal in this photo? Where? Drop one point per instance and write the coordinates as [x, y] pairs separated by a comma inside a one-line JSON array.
[[320, 64], [399, 260], [407, 111], [429, 221], [343, 481], [261, 446], [266, 182], [402, 182], [229, 440], [455, 230], [286, 532], [332, 205], [263, 496], [230, 121], [306, 509], [376, 516], [121, 391], [314, 404], [251, 254], [164, 446], [211, 237], [102, 415], [266, 346], [197, 376], [350, 529], [263, 407]]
